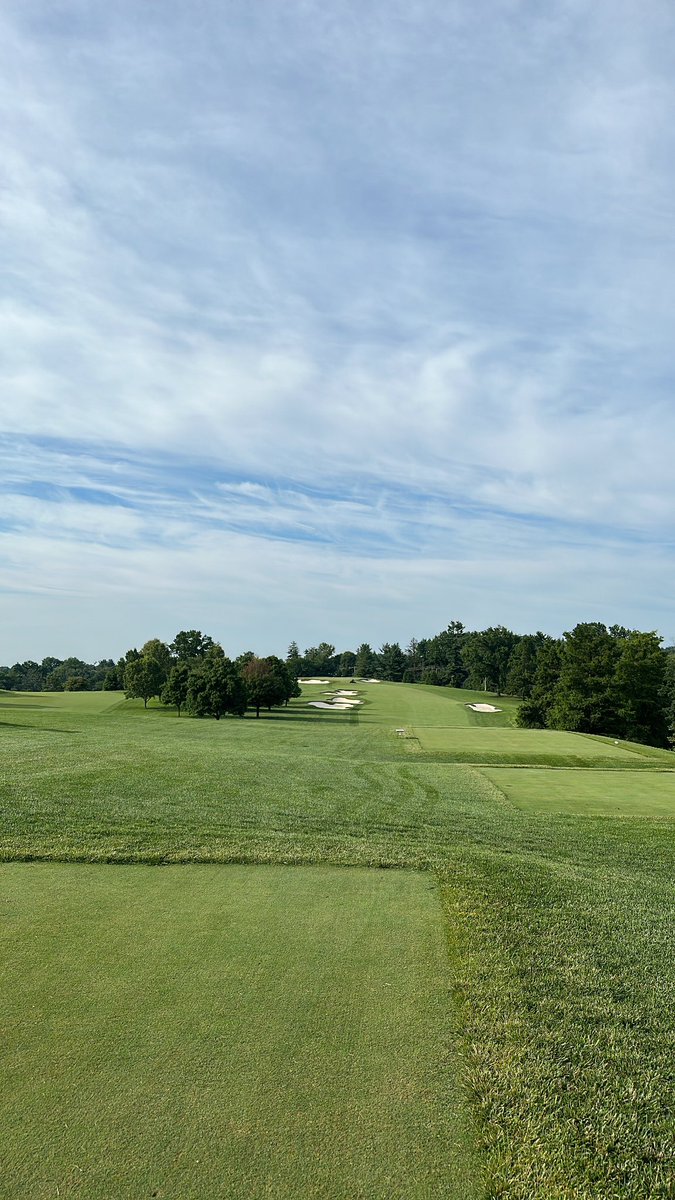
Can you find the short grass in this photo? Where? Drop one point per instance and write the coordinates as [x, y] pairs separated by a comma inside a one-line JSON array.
[[239, 1031], [554, 858], [435, 707], [77, 703], [633, 794], [527, 746]]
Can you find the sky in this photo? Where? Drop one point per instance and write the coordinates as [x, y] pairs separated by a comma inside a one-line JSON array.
[[334, 322]]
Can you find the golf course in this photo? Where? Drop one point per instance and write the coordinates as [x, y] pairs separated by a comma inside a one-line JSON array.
[[397, 949]]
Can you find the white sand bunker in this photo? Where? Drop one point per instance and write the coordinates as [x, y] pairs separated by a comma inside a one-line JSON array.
[[483, 708], [371, 681], [324, 681], [338, 700]]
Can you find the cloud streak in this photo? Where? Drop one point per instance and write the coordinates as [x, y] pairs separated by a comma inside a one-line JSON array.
[[319, 288]]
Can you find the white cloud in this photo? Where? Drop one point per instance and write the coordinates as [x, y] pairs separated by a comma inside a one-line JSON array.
[[337, 282]]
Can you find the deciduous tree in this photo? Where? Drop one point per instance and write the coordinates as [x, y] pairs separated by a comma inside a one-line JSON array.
[[215, 687], [142, 679], [191, 644], [265, 686], [175, 689]]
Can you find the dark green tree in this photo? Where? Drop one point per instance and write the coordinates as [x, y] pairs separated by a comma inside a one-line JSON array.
[[443, 657], [668, 693], [587, 698], [640, 680], [75, 683], [122, 663], [47, 666], [26, 677], [159, 650], [287, 681], [535, 712], [320, 660], [113, 682], [294, 660], [215, 687], [366, 662], [191, 644], [486, 657], [266, 686], [523, 665], [392, 662], [175, 690], [414, 662], [143, 678], [346, 664]]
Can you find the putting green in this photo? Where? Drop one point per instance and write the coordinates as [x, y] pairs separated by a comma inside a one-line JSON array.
[[588, 793], [226, 1031]]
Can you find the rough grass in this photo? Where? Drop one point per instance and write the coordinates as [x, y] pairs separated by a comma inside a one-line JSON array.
[[557, 884]]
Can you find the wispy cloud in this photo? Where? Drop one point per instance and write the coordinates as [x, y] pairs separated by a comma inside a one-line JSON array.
[[338, 295]]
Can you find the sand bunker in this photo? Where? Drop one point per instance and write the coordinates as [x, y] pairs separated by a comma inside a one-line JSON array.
[[324, 681], [371, 681], [337, 701], [483, 708]]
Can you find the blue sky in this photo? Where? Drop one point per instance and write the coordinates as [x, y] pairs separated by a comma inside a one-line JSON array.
[[334, 322]]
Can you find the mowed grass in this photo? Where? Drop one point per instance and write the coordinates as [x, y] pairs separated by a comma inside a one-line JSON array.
[[431, 707], [238, 1031], [526, 746], [556, 878], [632, 794]]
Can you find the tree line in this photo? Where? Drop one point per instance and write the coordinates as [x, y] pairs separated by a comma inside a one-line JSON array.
[[594, 679], [194, 673], [613, 681]]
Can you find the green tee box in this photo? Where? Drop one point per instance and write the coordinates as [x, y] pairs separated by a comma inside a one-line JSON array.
[[226, 1031], [589, 793], [521, 745]]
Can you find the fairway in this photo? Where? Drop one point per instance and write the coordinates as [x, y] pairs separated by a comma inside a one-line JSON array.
[[238, 1031], [433, 706]]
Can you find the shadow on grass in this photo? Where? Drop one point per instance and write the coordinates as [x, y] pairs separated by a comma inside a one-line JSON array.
[[35, 728], [282, 715], [13, 704]]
